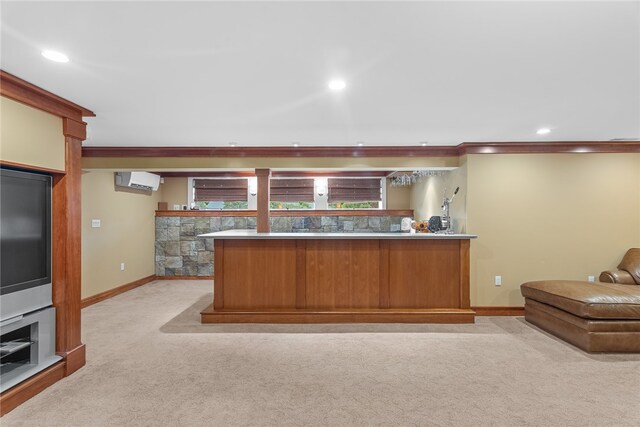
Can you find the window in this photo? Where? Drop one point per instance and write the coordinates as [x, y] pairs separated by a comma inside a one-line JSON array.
[[292, 193], [288, 193], [220, 193], [354, 193]]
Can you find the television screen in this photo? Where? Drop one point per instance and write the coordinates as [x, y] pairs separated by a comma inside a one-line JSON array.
[[25, 230]]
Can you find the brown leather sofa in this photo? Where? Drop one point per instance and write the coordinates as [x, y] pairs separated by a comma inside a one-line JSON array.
[[597, 317], [628, 270]]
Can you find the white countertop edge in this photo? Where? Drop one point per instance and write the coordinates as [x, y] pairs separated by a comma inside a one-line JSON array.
[[252, 234]]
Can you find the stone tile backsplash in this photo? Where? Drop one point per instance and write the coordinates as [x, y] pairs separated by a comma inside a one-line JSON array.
[[180, 253]]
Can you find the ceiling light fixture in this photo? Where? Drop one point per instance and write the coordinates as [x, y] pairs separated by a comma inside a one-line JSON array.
[[424, 143], [233, 144], [543, 131], [360, 144], [296, 144], [55, 56], [336, 85]]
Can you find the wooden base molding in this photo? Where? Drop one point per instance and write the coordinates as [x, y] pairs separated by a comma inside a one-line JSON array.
[[75, 359], [211, 315], [184, 277], [499, 311], [12, 398], [86, 302]]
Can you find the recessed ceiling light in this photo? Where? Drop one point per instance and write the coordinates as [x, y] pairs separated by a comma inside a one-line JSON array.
[[233, 144], [424, 143], [360, 144], [55, 56], [336, 85], [296, 144], [543, 131]]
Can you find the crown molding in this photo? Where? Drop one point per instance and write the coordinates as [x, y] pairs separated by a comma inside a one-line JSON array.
[[29, 94], [571, 147], [382, 151]]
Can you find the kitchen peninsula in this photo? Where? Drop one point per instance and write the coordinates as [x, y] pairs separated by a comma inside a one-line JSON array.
[[339, 278]]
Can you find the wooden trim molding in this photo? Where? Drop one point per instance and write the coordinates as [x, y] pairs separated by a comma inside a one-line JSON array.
[[499, 311], [275, 174], [30, 167], [15, 396], [213, 315], [381, 151], [252, 213], [22, 91], [74, 129], [566, 147], [320, 151], [94, 299]]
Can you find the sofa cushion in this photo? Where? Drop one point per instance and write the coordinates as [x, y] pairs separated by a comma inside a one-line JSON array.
[[631, 263], [587, 300]]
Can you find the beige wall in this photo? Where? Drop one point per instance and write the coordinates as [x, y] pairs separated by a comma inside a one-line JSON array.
[[398, 197], [427, 195], [174, 191], [548, 216], [29, 136], [127, 234]]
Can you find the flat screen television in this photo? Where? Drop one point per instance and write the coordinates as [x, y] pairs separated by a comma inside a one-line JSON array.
[[25, 242]]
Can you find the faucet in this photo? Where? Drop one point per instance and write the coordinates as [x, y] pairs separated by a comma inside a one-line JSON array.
[[446, 219]]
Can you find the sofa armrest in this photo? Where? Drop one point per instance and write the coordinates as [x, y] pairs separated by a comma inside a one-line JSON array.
[[617, 276]]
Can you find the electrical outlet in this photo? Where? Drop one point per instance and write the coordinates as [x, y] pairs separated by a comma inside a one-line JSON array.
[[176, 207], [498, 280], [591, 278], [95, 223], [122, 266]]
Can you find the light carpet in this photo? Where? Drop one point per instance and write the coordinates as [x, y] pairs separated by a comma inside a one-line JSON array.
[[151, 363]]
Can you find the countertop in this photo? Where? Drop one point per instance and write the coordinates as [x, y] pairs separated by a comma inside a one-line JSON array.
[[253, 234]]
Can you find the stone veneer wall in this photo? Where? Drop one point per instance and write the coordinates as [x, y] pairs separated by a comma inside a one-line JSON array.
[[180, 253]]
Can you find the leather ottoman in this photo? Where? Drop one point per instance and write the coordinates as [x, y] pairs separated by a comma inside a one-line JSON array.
[[597, 317]]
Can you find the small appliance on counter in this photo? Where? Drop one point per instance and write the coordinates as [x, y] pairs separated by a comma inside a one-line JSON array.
[[405, 224]]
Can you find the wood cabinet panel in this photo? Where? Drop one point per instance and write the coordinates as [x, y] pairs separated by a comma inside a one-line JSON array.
[[424, 274], [343, 274], [259, 273]]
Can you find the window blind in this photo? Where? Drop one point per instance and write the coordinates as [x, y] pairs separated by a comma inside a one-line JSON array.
[[224, 190], [354, 190], [291, 190]]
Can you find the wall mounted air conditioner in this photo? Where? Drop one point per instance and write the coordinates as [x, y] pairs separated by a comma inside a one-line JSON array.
[[139, 180]]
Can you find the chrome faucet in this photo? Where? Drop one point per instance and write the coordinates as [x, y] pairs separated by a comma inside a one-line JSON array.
[[446, 219]]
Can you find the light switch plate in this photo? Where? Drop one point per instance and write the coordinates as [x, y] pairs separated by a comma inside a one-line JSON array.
[[591, 278], [498, 280], [95, 223]]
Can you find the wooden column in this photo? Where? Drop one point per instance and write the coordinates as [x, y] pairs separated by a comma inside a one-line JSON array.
[[263, 222], [66, 264]]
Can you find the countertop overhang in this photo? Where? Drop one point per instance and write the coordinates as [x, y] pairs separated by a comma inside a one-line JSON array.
[[252, 234]]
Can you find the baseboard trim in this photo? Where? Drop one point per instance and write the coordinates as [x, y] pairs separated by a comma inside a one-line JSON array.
[[15, 396], [86, 302], [499, 311], [184, 277], [75, 359], [454, 315]]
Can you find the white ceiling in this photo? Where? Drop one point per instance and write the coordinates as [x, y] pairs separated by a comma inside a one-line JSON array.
[[208, 73]]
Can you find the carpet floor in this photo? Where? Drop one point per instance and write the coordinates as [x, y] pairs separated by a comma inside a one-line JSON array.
[[151, 363]]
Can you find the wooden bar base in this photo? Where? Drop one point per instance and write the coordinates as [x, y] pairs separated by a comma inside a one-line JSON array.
[[434, 315]]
